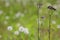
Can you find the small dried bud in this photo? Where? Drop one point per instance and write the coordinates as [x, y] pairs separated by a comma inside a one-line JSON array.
[[39, 5]]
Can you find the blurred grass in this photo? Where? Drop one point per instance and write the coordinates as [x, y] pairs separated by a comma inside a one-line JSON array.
[[29, 20]]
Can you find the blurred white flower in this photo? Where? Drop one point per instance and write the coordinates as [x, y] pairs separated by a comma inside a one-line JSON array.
[[7, 4], [26, 31], [1, 12], [7, 17], [18, 14], [0, 36], [9, 28], [21, 29], [58, 26], [16, 32], [53, 22]]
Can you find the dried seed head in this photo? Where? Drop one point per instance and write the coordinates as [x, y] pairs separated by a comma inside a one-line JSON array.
[[52, 8], [43, 17]]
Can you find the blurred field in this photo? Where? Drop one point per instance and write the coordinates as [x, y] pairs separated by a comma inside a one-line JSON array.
[[18, 13]]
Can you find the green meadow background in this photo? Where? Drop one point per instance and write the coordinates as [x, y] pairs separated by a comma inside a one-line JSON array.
[[29, 19]]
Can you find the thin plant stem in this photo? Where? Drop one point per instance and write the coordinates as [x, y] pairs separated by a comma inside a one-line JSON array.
[[38, 21], [49, 25]]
